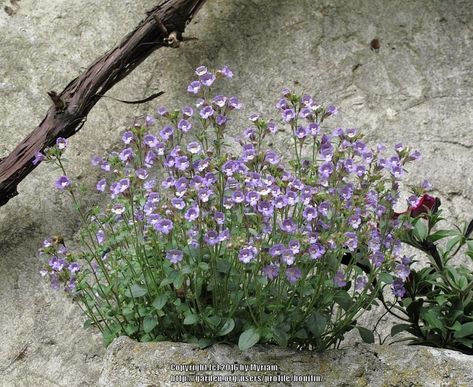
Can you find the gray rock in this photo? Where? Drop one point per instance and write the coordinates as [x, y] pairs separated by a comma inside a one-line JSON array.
[[417, 90], [128, 363]]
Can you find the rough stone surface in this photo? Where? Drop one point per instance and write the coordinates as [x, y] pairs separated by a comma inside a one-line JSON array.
[[418, 89], [128, 363]]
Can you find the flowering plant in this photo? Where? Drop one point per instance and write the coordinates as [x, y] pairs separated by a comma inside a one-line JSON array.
[[199, 243], [436, 301]]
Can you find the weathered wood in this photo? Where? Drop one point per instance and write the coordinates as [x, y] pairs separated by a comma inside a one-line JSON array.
[[163, 27]]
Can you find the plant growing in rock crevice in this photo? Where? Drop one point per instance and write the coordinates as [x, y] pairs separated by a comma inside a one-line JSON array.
[[202, 243], [436, 301]]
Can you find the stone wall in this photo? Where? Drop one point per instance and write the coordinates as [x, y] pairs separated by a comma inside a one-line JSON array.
[[417, 89]]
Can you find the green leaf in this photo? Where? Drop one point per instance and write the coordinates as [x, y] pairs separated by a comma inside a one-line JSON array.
[[432, 320], [343, 299], [136, 291], [386, 278], [301, 334], [160, 301], [281, 337], [191, 319], [398, 328], [366, 335], [131, 328], [248, 338], [453, 242], [420, 230], [149, 323], [466, 330], [439, 235], [227, 327], [316, 324], [87, 323]]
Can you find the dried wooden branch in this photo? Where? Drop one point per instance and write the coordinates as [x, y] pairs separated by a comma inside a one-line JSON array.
[[163, 27]]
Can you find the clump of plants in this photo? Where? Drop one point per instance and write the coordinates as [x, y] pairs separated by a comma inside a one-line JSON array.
[[202, 242], [435, 301]]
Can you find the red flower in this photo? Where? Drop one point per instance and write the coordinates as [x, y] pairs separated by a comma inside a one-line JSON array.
[[424, 204]]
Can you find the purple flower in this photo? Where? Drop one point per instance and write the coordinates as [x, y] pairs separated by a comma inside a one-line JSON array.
[[282, 104], [184, 126], [271, 271], [207, 79], [61, 143], [207, 112], [194, 147], [192, 213], [187, 111], [101, 185], [287, 256], [226, 72], [377, 258], [233, 103], [220, 101], [288, 115], [194, 87], [181, 185], [313, 128], [123, 185], [57, 264], [224, 235], [73, 267], [295, 246], [150, 141], [252, 198], [316, 250], [415, 155], [182, 163], [426, 185], [272, 127], [162, 111], [402, 271], [276, 249], [118, 209], [326, 151], [352, 241], [288, 225], [398, 288], [164, 226], [38, 157], [141, 173], [201, 70], [174, 256], [219, 217], [293, 274], [238, 197], [310, 213], [332, 110], [178, 203], [128, 137], [63, 182], [221, 120], [211, 238], [204, 194], [247, 254], [100, 235], [150, 120], [280, 201], [266, 208], [126, 154], [326, 169], [339, 280], [354, 221], [361, 282], [166, 133]]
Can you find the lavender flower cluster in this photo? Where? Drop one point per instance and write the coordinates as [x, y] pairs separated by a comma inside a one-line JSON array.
[[279, 219]]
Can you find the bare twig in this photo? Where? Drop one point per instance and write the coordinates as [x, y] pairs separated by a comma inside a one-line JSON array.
[[163, 27]]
